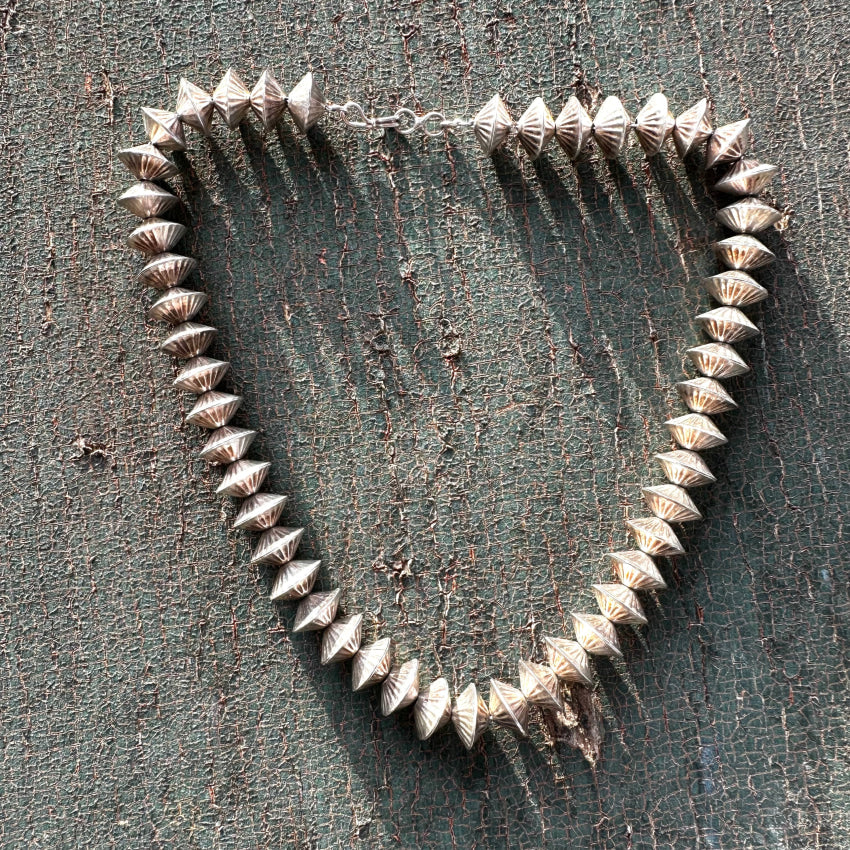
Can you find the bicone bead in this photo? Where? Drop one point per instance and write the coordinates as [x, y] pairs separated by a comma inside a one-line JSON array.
[[470, 715], [341, 639], [636, 570], [685, 468], [433, 709], [743, 252], [372, 664], [539, 685], [619, 604], [164, 129], [166, 270], [569, 660], [147, 200], [201, 374], [508, 708], [277, 545], [188, 339], [655, 537], [573, 128], [306, 103], [492, 125], [316, 611], [232, 99], [401, 687], [260, 512], [535, 128], [747, 177], [611, 126], [294, 580], [156, 236], [734, 289], [654, 124], [596, 634], [718, 360], [214, 409], [749, 215], [727, 324], [242, 478], [695, 431], [705, 395], [671, 503], [268, 100], [177, 305], [728, 143], [195, 106], [227, 444], [148, 162], [692, 128]]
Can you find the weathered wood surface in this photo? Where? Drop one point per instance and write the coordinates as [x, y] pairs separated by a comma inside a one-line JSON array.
[[459, 368]]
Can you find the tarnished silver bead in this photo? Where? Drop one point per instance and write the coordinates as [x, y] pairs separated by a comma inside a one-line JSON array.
[[166, 270], [164, 129], [619, 604], [705, 395], [341, 639], [611, 126], [232, 99], [147, 162], [685, 468], [188, 339], [401, 687], [470, 715], [692, 128], [749, 215], [306, 103], [636, 570], [492, 125], [535, 128], [695, 431], [718, 360], [573, 128], [743, 252], [654, 124], [177, 305], [596, 634], [655, 537], [227, 444], [734, 289], [277, 545], [569, 660], [156, 236], [195, 106], [747, 177], [214, 409], [728, 143], [268, 100], [540, 685], [260, 511], [294, 580], [201, 374], [372, 664], [316, 611], [241, 479], [433, 709], [727, 324], [146, 200], [671, 503], [508, 708]]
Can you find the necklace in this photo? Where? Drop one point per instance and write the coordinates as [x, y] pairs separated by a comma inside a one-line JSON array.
[[567, 660]]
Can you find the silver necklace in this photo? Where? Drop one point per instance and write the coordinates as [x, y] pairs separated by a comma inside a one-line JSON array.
[[567, 659]]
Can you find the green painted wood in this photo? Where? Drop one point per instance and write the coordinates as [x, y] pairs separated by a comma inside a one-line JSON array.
[[459, 368]]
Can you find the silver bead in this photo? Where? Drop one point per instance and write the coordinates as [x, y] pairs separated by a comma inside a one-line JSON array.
[[177, 305], [227, 444], [166, 270], [341, 639], [372, 664], [749, 215], [433, 709], [695, 431], [717, 360], [692, 128], [268, 100], [747, 177], [569, 660], [195, 106], [201, 374], [508, 708], [535, 128], [540, 686], [294, 580], [619, 604], [146, 199], [728, 143], [316, 611], [242, 478], [232, 99], [727, 324], [492, 125], [734, 289], [705, 395], [401, 687], [156, 236], [596, 634], [685, 468], [610, 127], [188, 339], [260, 512], [147, 162], [654, 124], [573, 128], [635, 569], [277, 545], [214, 409], [655, 537], [671, 503], [306, 103], [164, 129], [743, 252], [470, 715]]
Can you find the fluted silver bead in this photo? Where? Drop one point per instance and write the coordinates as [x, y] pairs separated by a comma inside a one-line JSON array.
[[692, 128], [728, 143], [655, 537], [470, 715], [232, 99], [164, 129], [685, 468], [568, 659], [743, 252], [148, 162], [316, 611], [619, 604], [573, 128], [341, 639], [177, 305], [654, 124], [306, 103], [277, 545], [540, 686], [372, 664], [201, 374], [535, 128], [268, 100], [227, 444], [718, 360], [260, 512], [214, 409], [635, 569], [508, 708], [242, 478], [749, 215], [596, 634], [695, 431], [294, 580], [433, 709], [734, 289], [671, 503], [166, 270], [747, 177], [705, 395], [156, 236], [195, 106], [188, 339], [146, 200], [727, 324], [610, 127], [401, 687], [492, 125]]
